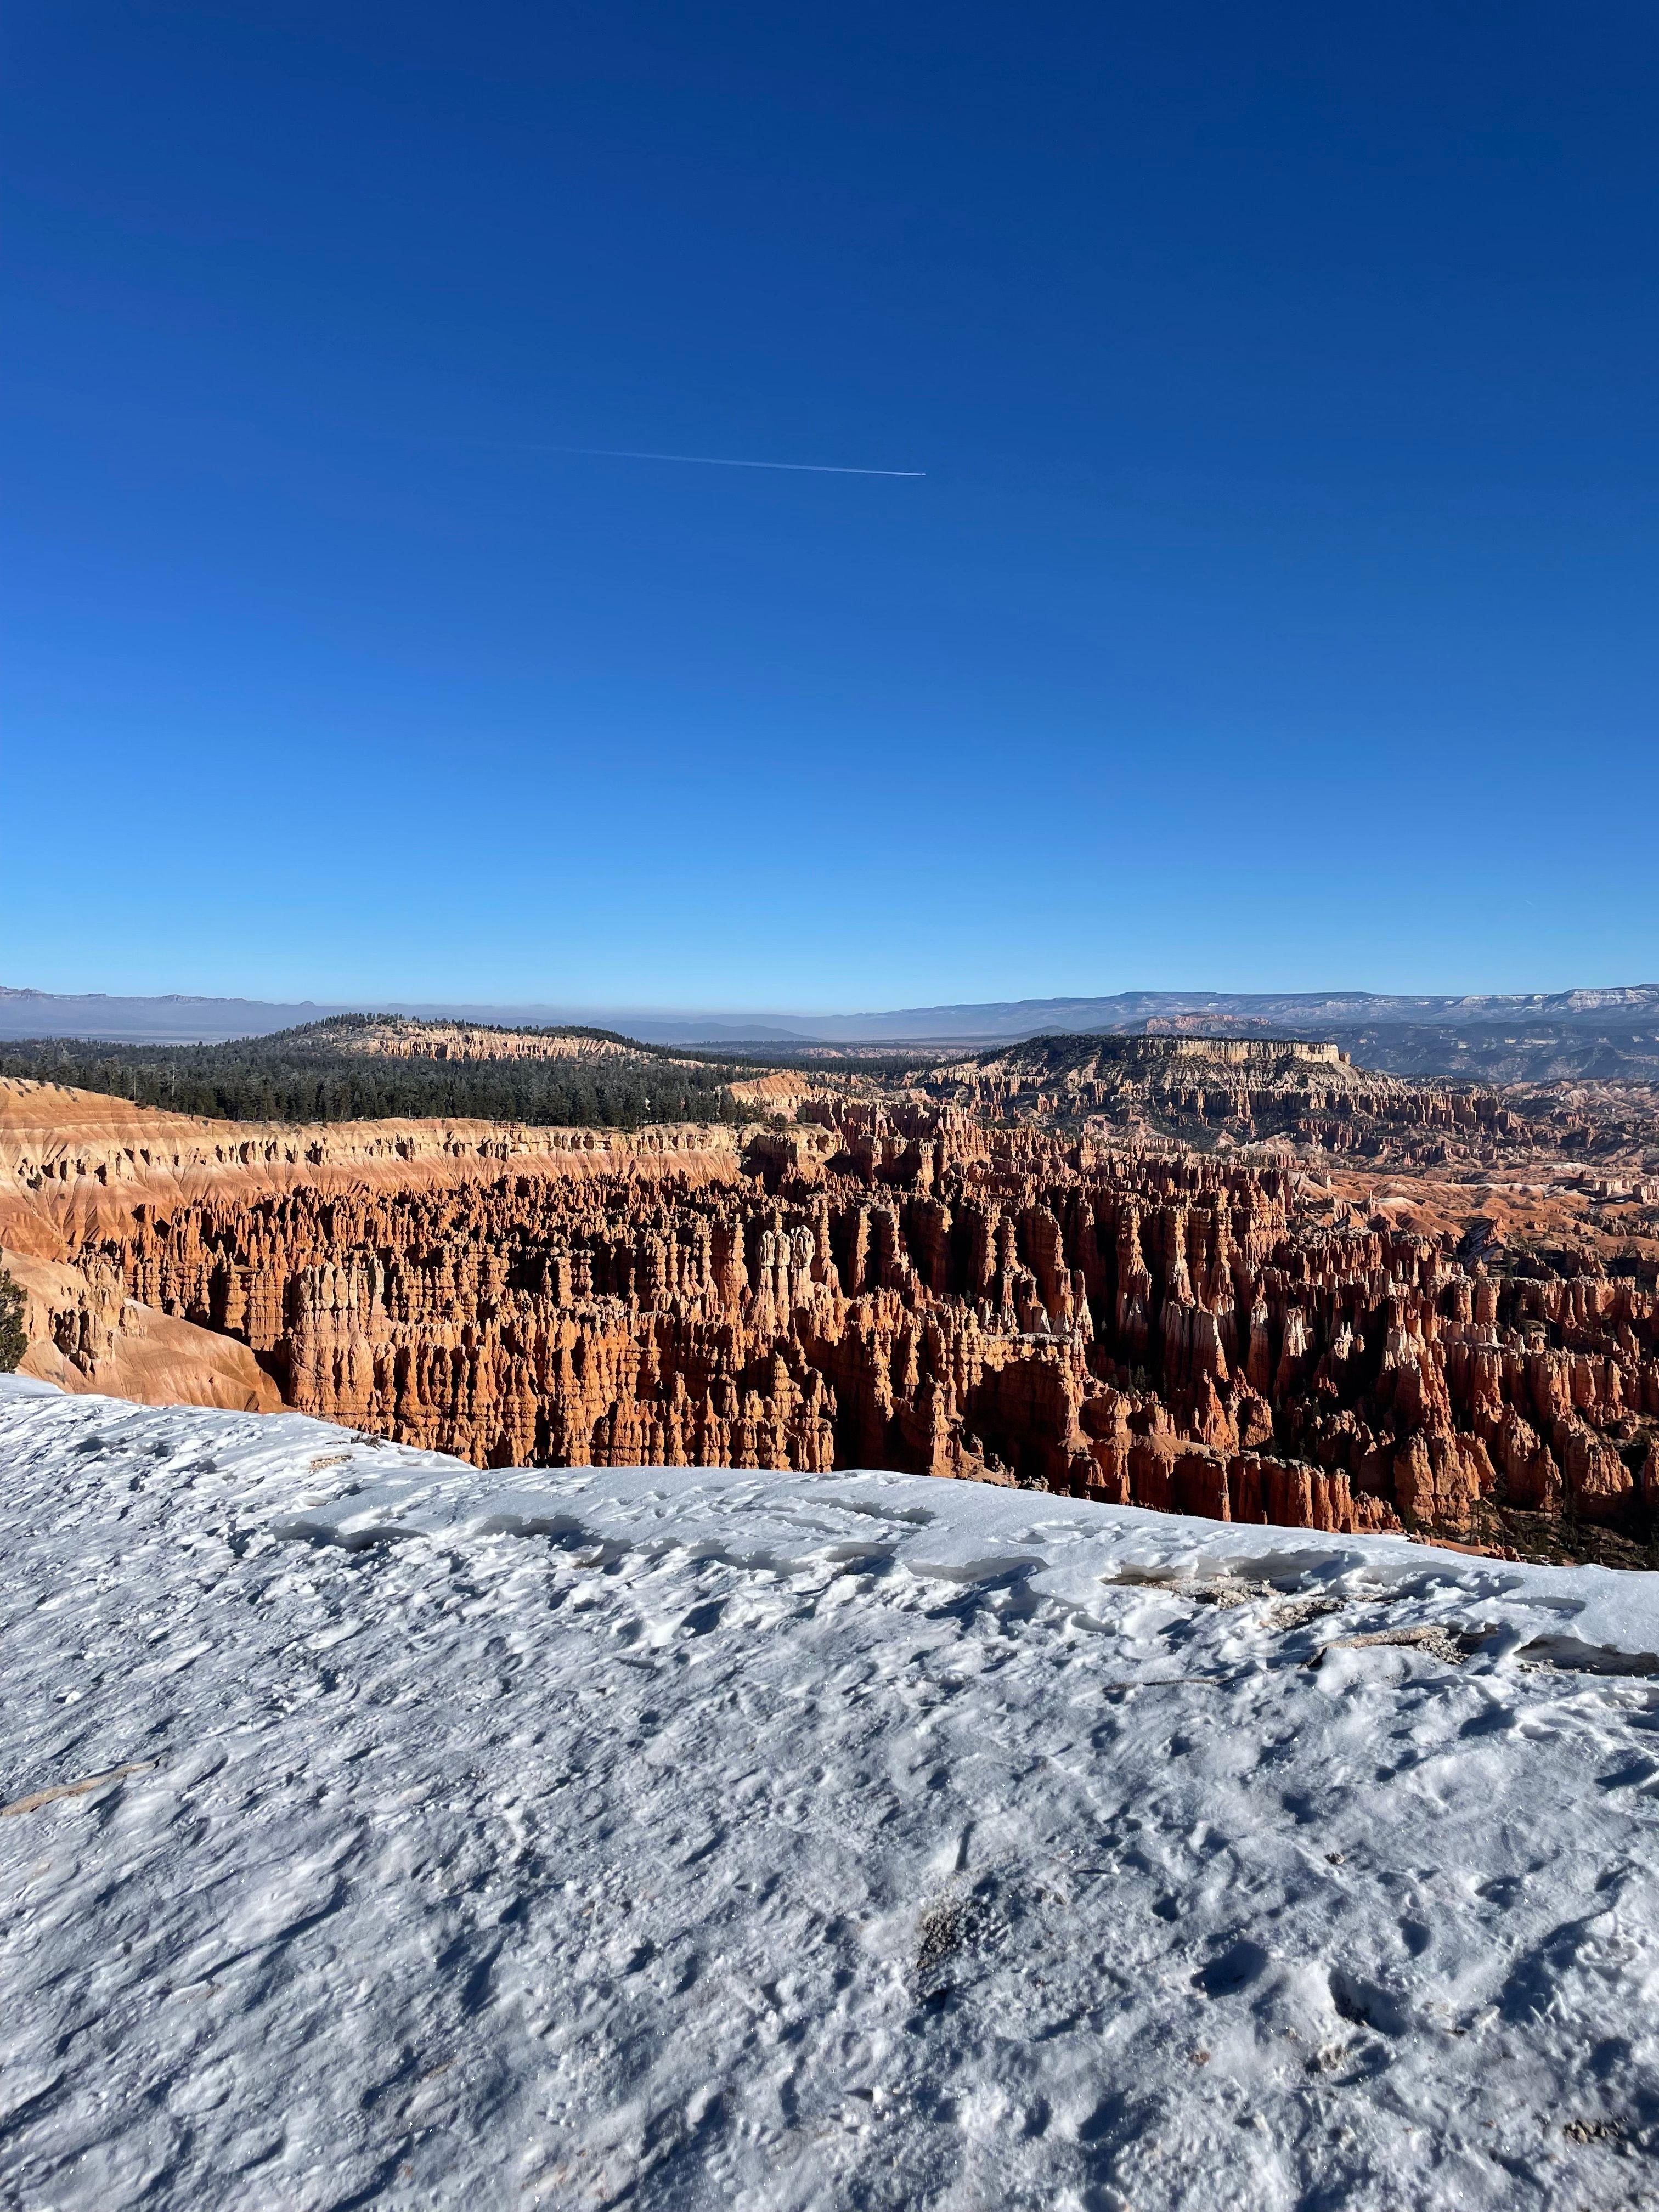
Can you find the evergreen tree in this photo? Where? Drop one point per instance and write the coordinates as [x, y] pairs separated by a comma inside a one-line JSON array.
[[13, 1337]]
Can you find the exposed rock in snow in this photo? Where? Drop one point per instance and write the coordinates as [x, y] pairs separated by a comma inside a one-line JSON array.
[[379, 1831]]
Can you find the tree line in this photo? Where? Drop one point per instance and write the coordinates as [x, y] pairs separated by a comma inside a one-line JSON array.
[[311, 1074]]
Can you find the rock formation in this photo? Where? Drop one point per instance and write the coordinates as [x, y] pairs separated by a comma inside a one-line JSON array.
[[394, 1037], [87, 1334], [1210, 1092], [906, 1289], [778, 1089]]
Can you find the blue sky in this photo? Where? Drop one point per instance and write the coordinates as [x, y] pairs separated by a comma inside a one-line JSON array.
[[1276, 609]]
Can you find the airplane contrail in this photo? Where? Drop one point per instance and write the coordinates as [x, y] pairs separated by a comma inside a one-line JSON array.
[[719, 461]]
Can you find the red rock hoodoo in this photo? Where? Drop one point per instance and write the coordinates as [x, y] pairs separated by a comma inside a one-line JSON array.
[[908, 1289]]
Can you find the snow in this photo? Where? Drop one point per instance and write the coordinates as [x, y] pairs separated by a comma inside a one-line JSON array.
[[684, 1838]]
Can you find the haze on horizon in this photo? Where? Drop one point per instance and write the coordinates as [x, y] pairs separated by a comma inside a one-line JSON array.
[[1271, 609]]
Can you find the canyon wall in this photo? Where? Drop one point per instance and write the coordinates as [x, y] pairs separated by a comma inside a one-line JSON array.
[[73, 1163], [905, 1289], [86, 1334], [1210, 1091]]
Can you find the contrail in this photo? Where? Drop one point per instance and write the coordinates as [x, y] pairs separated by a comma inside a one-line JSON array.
[[719, 461]]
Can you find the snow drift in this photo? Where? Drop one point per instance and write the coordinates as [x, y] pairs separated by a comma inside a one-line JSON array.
[[377, 1832]]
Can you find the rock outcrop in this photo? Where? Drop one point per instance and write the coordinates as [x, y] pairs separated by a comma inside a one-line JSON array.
[[906, 1288], [1218, 1091], [394, 1037], [86, 1335]]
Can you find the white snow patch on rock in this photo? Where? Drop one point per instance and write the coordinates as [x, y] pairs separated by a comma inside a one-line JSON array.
[[379, 1831]]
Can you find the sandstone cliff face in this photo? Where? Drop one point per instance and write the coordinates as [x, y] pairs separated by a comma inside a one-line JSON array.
[[73, 1163], [402, 1037], [87, 1334], [49, 1134], [1219, 1091], [909, 1290]]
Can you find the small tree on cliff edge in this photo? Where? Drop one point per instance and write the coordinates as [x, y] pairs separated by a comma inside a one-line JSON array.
[[13, 1337]]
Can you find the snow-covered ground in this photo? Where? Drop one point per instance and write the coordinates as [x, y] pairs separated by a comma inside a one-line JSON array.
[[684, 1839]]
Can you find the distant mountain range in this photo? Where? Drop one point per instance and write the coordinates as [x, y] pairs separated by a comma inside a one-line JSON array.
[[1497, 1038], [1296, 1013]]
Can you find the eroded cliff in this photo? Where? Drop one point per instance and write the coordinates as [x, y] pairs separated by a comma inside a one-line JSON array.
[[1217, 1092], [906, 1289]]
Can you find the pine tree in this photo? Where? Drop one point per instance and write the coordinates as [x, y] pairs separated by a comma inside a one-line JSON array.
[[13, 1337]]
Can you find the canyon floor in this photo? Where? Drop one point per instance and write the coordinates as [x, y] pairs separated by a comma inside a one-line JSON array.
[[383, 1831]]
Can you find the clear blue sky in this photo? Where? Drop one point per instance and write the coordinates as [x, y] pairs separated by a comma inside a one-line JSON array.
[[1276, 609]]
